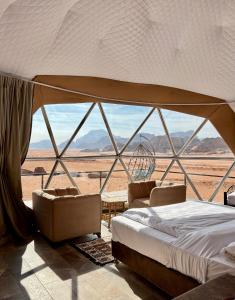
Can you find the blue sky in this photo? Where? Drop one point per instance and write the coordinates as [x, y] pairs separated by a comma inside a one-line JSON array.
[[123, 120]]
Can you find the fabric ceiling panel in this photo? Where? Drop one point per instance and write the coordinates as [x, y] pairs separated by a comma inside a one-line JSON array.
[[185, 44]]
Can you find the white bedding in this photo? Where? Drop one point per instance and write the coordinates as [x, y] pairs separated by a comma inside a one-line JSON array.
[[194, 252], [182, 218]]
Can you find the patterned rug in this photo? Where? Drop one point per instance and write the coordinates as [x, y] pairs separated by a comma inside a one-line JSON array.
[[98, 250]]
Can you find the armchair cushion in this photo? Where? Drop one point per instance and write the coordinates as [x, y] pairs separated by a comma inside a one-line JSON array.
[[138, 203], [62, 191]]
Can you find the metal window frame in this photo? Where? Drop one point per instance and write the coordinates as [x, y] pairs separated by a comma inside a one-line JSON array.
[[214, 194], [108, 128], [166, 131], [176, 157], [50, 132], [77, 129]]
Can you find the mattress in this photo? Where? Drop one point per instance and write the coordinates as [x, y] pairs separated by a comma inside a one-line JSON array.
[[160, 246], [145, 240]]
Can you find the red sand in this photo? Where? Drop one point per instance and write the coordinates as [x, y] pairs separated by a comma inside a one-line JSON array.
[[119, 181]]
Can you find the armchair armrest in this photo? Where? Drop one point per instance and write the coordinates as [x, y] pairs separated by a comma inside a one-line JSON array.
[[43, 208], [42, 200], [165, 195]]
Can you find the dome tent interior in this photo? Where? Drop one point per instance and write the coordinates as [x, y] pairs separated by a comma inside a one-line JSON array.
[[127, 52], [161, 54], [140, 45]]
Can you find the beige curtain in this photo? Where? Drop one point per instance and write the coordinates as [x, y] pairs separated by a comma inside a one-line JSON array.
[[15, 128]]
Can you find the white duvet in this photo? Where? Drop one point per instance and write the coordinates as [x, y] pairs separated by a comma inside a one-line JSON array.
[[229, 251], [201, 231], [182, 218]]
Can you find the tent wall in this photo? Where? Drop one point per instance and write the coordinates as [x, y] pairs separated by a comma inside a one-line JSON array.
[[221, 116]]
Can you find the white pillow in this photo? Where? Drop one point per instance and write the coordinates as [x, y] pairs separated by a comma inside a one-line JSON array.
[[231, 198], [229, 251]]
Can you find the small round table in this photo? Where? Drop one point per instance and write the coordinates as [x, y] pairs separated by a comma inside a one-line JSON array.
[[114, 202]]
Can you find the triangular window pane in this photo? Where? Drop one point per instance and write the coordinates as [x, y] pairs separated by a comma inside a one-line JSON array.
[[34, 175], [208, 142], [206, 174], [92, 139], [64, 119], [118, 181], [89, 174], [160, 168], [152, 134], [124, 120], [40, 142], [180, 126], [60, 178], [175, 175], [229, 181], [190, 193]]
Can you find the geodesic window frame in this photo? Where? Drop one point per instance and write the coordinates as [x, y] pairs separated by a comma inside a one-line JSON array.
[[119, 154]]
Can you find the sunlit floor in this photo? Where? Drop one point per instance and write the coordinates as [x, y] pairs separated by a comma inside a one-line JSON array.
[[40, 271]]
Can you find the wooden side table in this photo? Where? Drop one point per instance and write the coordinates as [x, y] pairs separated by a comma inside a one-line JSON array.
[[220, 288], [114, 202]]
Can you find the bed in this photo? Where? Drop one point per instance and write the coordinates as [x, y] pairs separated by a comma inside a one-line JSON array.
[[176, 247]]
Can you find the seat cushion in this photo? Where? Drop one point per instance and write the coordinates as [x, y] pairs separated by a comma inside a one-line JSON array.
[[141, 202], [62, 191]]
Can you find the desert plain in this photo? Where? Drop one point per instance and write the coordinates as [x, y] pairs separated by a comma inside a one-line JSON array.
[[208, 172]]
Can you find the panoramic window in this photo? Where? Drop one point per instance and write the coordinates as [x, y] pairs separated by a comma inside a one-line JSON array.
[[101, 147]]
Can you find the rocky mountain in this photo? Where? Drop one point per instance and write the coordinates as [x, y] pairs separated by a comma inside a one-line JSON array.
[[182, 134], [62, 145], [160, 143], [209, 145], [98, 140]]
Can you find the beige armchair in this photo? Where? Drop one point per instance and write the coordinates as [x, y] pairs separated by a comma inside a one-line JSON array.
[[155, 193], [64, 214]]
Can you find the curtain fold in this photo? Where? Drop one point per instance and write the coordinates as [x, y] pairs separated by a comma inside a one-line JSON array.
[[16, 99]]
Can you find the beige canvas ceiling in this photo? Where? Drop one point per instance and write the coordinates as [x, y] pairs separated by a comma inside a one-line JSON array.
[[153, 51]]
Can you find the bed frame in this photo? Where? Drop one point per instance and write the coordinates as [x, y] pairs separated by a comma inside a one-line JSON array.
[[168, 280]]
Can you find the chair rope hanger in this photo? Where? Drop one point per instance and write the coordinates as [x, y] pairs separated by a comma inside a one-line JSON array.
[[142, 163]]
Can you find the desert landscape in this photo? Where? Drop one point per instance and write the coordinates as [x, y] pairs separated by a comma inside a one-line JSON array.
[[89, 173], [80, 169]]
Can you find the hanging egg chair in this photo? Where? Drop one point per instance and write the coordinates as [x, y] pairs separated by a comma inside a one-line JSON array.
[[142, 163]]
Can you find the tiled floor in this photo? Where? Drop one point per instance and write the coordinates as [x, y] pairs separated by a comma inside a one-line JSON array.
[[40, 271]]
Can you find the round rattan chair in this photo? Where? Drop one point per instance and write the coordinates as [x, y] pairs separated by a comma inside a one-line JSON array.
[[142, 164]]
